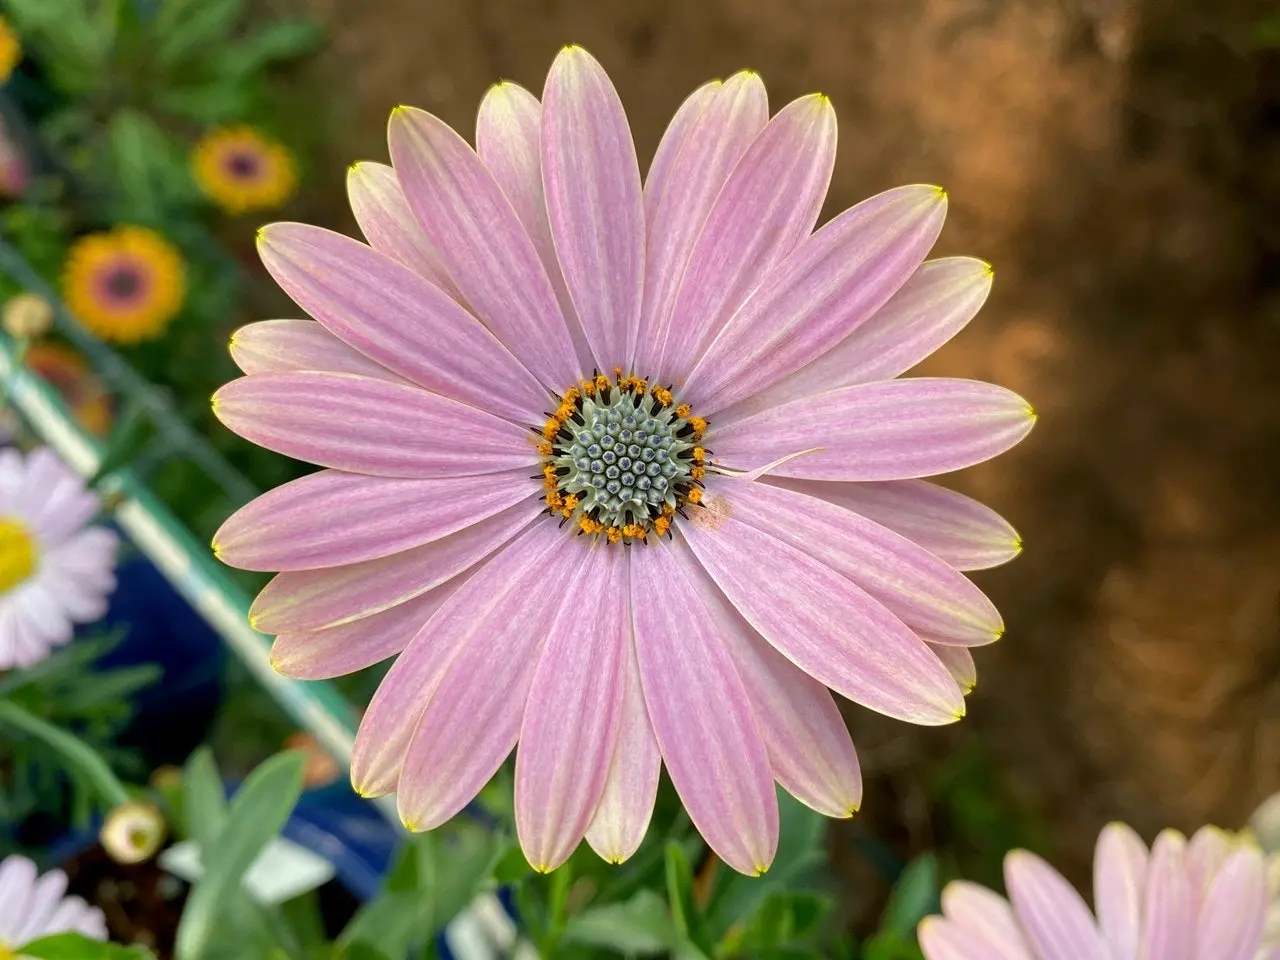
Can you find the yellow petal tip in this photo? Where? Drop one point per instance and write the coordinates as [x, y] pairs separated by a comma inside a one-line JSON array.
[[987, 269]]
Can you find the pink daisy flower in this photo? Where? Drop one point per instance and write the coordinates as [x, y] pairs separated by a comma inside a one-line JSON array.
[[544, 393], [33, 906], [1202, 900]]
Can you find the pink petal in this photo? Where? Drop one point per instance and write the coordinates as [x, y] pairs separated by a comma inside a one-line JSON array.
[[571, 717], [1169, 931], [823, 623], [476, 619], [674, 137], [370, 426], [943, 939], [317, 599], [810, 750], [959, 663], [483, 245], [338, 651], [954, 528], [363, 517], [1054, 918], [932, 307], [390, 314], [384, 217], [281, 346], [1119, 879], [832, 283], [1232, 916], [768, 205], [1207, 853], [715, 756], [987, 917], [592, 182], [473, 716], [677, 202], [892, 430], [509, 141], [918, 588], [631, 786]]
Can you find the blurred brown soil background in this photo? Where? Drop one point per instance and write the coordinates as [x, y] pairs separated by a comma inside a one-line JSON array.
[[1118, 161]]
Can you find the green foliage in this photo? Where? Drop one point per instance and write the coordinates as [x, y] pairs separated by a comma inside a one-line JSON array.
[[59, 720], [915, 896], [194, 61], [984, 819], [256, 815], [72, 946], [435, 876], [639, 927]]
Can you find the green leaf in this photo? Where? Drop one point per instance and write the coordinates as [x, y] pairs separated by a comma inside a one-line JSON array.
[[217, 101], [680, 888], [187, 28], [81, 759], [642, 926], [784, 920], [358, 951], [801, 855], [72, 946], [511, 867], [204, 803], [256, 815], [278, 41], [891, 945], [435, 876], [914, 896]]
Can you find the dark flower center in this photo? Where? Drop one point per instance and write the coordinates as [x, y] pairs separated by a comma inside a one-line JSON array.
[[123, 283], [621, 458], [243, 165]]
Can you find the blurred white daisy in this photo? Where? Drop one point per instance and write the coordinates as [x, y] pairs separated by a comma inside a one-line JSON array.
[[33, 906], [55, 569]]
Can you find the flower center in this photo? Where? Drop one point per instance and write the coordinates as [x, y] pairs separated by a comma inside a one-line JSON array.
[[621, 458], [242, 166], [123, 283], [6, 953], [17, 558]]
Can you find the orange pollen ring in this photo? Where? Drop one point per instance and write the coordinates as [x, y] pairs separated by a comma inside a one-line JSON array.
[[620, 458]]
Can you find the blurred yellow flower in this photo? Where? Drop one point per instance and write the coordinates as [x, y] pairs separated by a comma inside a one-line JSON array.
[[125, 284], [241, 169], [10, 49]]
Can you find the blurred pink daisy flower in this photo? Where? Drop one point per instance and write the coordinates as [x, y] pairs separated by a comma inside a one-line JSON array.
[[545, 393], [1205, 899], [55, 570], [33, 906]]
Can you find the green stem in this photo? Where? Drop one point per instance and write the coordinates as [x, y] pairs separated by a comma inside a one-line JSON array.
[[80, 757], [557, 902]]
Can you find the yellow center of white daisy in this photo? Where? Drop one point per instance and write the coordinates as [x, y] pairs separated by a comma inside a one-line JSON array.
[[6, 953], [17, 559], [621, 458]]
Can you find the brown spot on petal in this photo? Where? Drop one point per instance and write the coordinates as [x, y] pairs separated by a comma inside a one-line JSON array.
[[714, 512]]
